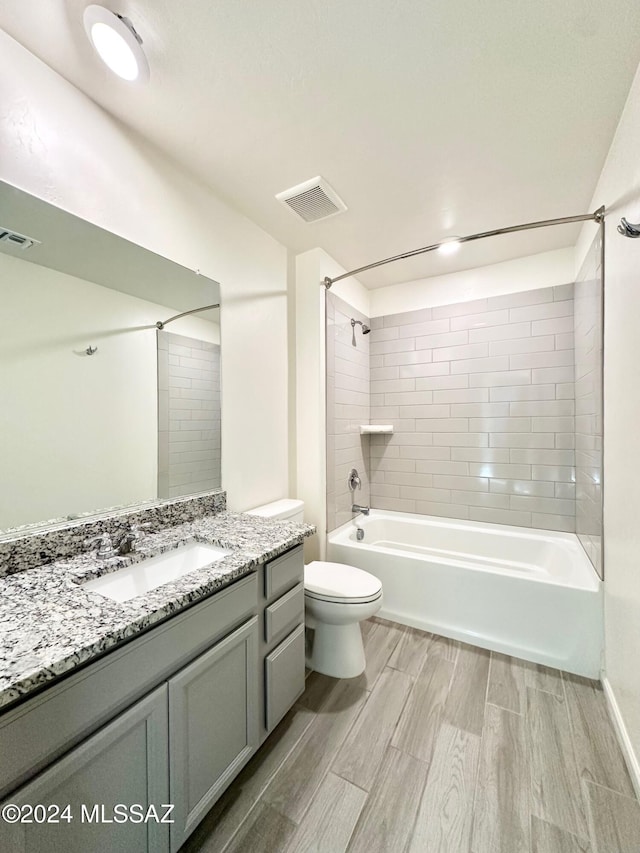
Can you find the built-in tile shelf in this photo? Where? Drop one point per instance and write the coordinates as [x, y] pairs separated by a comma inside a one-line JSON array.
[[376, 429]]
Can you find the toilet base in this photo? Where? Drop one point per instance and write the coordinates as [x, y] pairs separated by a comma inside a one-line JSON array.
[[337, 650]]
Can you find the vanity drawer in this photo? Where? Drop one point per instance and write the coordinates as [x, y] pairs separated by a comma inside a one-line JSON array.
[[284, 677], [284, 614], [283, 572]]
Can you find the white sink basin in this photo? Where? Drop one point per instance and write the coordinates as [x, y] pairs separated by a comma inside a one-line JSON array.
[[139, 578]]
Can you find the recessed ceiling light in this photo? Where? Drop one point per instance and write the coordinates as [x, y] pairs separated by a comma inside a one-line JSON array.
[[449, 246], [117, 43]]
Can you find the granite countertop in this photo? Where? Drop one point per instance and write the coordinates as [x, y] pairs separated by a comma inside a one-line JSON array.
[[50, 624]]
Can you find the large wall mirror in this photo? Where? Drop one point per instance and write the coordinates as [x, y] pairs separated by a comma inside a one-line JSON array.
[[98, 408]]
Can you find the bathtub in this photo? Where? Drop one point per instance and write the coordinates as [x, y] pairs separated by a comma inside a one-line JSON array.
[[528, 593]]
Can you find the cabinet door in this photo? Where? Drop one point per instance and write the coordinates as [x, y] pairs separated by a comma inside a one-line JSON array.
[[125, 763], [213, 727], [284, 677]]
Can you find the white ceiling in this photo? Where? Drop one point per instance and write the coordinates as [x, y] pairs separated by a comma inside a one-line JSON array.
[[428, 117]]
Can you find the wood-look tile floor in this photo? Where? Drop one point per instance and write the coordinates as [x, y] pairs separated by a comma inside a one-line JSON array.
[[439, 747]]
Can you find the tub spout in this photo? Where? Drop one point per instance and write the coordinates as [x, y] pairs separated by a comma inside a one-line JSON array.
[[363, 509]]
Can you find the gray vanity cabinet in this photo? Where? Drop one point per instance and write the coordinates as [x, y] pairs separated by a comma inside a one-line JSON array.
[[124, 762], [213, 725], [171, 717]]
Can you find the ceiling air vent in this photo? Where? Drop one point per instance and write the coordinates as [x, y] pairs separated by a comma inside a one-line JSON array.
[[313, 200], [19, 241]]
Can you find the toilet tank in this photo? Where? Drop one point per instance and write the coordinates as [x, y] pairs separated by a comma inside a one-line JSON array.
[[284, 510]]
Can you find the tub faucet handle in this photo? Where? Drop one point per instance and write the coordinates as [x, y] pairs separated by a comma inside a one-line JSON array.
[[353, 481]]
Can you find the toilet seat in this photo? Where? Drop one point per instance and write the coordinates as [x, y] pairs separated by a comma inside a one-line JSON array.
[[340, 583]]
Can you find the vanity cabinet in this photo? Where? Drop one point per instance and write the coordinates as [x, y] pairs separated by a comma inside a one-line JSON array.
[[125, 762], [169, 718]]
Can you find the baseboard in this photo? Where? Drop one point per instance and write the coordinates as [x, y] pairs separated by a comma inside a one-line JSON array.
[[633, 764]]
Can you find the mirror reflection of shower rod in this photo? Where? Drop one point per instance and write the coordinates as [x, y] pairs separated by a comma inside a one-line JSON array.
[[161, 325], [596, 216]]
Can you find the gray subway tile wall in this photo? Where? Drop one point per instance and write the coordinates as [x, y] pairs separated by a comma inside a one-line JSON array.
[[189, 415], [588, 394], [348, 407], [481, 398]]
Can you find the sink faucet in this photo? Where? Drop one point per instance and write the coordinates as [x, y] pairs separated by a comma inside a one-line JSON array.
[[129, 539], [363, 509], [105, 547]]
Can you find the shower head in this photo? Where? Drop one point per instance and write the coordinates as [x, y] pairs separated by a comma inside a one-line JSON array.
[[365, 328]]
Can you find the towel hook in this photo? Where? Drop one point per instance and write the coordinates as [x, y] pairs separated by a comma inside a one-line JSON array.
[[628, 229]]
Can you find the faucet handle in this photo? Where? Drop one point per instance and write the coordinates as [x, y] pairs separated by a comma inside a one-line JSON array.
[[126, 542], [105, 545], [135, 529], [139, 529], [353, 481]]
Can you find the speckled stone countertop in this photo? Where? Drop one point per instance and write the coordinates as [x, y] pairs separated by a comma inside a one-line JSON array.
[[50, 624]]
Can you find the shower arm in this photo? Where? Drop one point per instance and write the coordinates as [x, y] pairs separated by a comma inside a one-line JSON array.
[[161, 325], [596, 216], [365, 328]]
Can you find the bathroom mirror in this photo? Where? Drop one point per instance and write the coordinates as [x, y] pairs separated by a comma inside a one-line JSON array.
[[85, 420]]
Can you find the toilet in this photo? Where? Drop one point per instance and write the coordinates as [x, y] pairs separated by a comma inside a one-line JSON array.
[[337, 597]]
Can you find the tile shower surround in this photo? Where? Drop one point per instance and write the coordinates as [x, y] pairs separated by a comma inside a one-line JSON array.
[[347, 409], [481, 396], [589, 392]]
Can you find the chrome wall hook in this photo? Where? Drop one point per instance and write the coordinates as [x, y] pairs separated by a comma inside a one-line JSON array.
[[627, 229]]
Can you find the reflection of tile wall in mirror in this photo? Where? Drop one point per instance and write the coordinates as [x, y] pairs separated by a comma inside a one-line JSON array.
[[188, 415], [78, 434]]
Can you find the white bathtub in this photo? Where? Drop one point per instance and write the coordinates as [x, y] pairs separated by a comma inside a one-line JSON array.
[[528, 593]]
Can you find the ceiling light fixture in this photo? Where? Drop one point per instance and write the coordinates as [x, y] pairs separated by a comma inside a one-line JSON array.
[[117, 43], [449, 246]]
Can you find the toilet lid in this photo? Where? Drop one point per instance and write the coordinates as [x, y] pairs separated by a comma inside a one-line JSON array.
[[339, 582]]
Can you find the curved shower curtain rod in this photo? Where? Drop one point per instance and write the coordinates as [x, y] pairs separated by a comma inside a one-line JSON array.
[[596, 216], [161, 325]]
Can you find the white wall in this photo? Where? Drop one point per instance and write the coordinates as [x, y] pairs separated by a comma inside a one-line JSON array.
[[619, 190], [530, 273], [58, 145], [77, 433]]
